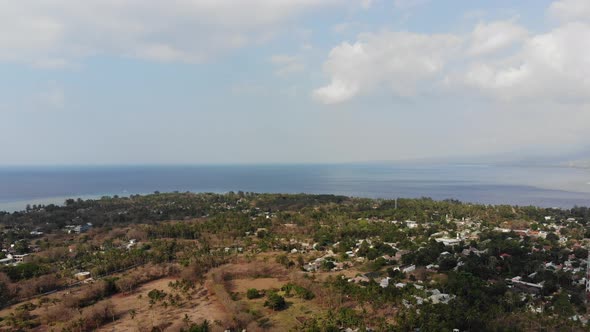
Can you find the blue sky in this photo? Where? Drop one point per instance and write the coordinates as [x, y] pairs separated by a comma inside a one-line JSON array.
[[265, 81]]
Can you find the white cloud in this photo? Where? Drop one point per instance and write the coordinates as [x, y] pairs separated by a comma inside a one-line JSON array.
[[488, 38], [401, 61], [287, 64], [500, 59], [37, 31], [25, 35], [570, 10], [554, 65], [337, 91]]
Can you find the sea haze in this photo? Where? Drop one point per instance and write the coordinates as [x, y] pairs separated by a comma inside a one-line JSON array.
[[516, 185]]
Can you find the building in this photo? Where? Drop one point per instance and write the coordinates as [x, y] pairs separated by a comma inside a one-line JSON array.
[[8, 260], [448, 241], [19, 258], [78, 229], [82, 275]]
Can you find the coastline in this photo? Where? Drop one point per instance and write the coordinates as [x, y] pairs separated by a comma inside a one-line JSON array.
[[543, 187]]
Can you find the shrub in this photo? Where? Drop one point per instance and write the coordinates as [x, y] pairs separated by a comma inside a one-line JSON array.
[[253, 293], [275, 302], [300, 292], [203, 327], [156, 295]]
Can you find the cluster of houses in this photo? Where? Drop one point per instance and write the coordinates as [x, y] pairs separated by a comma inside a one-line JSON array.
[[464, 231]]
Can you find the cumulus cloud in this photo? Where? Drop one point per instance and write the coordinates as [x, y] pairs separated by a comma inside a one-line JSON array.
[[37, 31], [400, 61], [491, 37], [553, 65], [500, 59]]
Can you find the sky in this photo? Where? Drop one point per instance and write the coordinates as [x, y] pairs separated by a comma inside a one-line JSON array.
[[290, 81]]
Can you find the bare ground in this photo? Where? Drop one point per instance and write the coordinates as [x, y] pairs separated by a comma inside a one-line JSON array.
[[202, 306]]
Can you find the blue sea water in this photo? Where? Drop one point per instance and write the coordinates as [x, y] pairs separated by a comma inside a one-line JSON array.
[[541, 186]]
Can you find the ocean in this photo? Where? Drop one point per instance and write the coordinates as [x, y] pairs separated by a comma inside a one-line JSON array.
[[516, 185]]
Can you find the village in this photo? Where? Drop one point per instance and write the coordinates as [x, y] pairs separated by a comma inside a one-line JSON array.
[[406, 267]]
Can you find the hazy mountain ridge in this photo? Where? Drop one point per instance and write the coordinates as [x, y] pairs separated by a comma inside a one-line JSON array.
[[523, 158]]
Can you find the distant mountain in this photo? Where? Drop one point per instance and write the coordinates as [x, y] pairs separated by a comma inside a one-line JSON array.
[[585, 163], [533, 158]]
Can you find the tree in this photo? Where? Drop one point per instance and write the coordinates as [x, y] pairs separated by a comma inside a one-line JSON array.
[[275, 302], [21, 247], [203, 327], [562, 305], [552, 237]]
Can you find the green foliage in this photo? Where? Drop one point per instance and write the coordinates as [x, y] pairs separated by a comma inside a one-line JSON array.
[[156, 295], [205, 326], [190, 230], [299, 291], [24, 271], [253, 293], [275, 302], [328, 265]]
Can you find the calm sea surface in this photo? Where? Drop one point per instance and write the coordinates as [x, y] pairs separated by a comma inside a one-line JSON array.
[[542, 186]]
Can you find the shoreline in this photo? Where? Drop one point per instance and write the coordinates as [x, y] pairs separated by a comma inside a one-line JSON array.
[[534, 197]]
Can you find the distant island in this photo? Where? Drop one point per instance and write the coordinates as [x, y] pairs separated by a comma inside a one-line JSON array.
[[292, 262]]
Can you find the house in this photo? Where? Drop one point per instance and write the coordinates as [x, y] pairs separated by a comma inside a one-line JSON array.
[[8, 260], [20, 258], [409, 269], [82, 275], [441, 298], [82, 228], [78, 229], [448, 241], [525, 286]]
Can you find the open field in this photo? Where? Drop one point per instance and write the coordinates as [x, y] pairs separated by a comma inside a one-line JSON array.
[[221, 300], [202, 306]]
